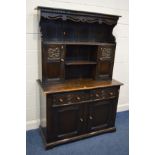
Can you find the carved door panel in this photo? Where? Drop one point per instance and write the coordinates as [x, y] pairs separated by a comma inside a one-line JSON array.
[[67, 121], [101, 114], [105, 57], [53, 62]]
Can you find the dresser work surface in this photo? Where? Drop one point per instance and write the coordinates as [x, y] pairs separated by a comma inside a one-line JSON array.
[[74, 85]]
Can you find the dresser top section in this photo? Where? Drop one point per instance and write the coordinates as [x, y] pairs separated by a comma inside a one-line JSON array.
[[64, 14], [75, 85]]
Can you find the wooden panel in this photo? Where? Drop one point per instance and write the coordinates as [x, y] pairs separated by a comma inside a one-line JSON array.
[[100, 114], [53, 62], [60, 99], [80, 71], [104, 68], [106, 93], [81, 52], [43, 116], [53, 70], [67, 121], [106, 54]]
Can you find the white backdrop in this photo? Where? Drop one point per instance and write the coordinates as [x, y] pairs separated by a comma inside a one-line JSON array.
[[119, 7]]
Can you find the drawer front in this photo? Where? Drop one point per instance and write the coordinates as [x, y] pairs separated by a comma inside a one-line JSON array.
[[59, 99], [80, 96], [103, 93], [84, 96], [70, 98]]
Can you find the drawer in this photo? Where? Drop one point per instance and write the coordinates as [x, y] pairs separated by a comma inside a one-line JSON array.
[[103, 93], [84, 96], [59, 99], [80, 96], [69, 98]]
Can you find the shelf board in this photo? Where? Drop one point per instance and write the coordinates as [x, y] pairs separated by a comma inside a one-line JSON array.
[[77, 43], [80, 62]]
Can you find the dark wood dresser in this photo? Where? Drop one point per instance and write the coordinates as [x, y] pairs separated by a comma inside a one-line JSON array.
[[78, 97]]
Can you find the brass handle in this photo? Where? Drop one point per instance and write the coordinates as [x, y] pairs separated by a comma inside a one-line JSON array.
[[62, 47], [97, 95], [62, 60], [78, 98], [111, 93], [61, 100], [81, 119], [90, 117], [103, 92]]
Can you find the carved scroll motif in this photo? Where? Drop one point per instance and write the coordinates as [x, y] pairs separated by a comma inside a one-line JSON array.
[[106, 53], [78, 18], [53, 53]]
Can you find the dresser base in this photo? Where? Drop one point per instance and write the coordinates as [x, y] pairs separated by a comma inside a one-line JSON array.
[[67, 140]]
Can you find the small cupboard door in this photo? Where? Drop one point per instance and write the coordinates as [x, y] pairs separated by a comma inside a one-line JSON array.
[[105, 61], [101, 114], [67, 121], [53, 62]]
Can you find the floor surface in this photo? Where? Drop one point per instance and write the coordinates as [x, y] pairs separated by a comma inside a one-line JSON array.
[[116, 143]]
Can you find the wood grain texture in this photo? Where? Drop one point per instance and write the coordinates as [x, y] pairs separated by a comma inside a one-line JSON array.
[[80, 62], [73, 85]]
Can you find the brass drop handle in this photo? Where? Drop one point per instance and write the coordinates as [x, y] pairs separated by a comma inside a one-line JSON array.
[[61, 100], [81, 119], [103, 92], [78, 98], [90, 117], [62, 60], [111, 93], [97, 95], [64, 33]]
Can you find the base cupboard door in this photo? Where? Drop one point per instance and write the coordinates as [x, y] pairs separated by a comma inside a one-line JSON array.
[[67, 121], [101, 114]]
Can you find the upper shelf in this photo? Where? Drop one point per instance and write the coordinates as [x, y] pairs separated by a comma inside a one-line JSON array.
[[80, 62], [68, 25], [78, 43]]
